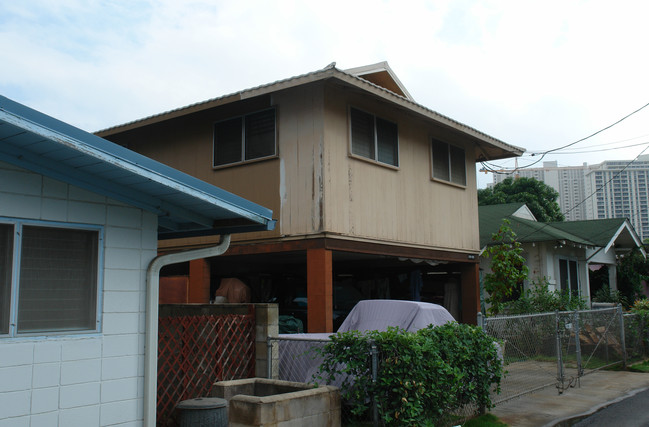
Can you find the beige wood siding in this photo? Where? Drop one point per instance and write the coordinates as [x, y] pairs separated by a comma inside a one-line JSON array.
[[370, 201], [314, 186], [185, 143], [300, 123]]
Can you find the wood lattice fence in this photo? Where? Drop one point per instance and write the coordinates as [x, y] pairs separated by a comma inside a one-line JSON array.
[[197, 350]]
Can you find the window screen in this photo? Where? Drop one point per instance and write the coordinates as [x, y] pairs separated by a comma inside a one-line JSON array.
[[440, 161], [458, 165], [6, 260], [260, 134], [386, 142], [227, 142], [362, 133], [374, 138], [248, 137], [58, 280], [449, 163]]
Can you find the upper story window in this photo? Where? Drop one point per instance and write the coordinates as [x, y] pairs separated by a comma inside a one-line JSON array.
[[245, 138], [48, 279], [449, 163], [374, 138]]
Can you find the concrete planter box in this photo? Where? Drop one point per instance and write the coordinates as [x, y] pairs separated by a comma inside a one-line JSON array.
[[265, 402]]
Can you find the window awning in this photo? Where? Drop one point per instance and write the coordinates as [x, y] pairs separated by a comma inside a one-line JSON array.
[[185, 206]]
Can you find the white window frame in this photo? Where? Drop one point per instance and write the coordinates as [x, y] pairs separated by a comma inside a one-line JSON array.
[[14, 285], [374, 159], [242, 155], [448, 162], [569, 282]]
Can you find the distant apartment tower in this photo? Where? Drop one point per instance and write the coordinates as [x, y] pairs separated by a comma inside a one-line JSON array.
[[569, 181], [611, 189], [620, 191]]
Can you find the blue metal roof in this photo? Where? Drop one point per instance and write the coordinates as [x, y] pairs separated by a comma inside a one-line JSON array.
[[185, 206]]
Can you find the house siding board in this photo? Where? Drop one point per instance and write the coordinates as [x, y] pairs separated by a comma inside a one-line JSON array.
[[371, 201], [300, 185], [57, 379], [185, 143]]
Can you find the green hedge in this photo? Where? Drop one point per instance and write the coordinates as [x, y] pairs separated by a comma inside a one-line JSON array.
[[421, 376]]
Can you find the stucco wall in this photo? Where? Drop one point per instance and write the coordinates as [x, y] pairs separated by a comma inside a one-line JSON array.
[[88, 379]]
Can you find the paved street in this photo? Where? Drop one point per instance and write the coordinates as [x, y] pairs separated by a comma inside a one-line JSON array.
[[630, 412], [597, 390]]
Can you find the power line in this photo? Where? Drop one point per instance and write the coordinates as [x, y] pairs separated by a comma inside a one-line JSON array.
[[544, 153], [594, 192]]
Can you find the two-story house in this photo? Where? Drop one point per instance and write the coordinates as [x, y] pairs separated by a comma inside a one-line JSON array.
[[374, 194]]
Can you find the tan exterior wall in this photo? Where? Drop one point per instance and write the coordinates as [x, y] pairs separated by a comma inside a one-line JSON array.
[[371, 201], [314, 186]]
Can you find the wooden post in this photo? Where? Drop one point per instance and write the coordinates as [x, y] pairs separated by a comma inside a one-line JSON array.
[[319, 290], [199, 282], [470, 293]]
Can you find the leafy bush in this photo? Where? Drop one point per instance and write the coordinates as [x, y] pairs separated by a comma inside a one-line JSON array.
[[508, 269], [540, 299], [421, 375], [604, 294]]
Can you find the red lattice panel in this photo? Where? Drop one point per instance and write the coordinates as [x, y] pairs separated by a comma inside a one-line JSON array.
[[194, 352]]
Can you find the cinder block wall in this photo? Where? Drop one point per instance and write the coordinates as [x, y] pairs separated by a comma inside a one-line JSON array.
[[85, 379]]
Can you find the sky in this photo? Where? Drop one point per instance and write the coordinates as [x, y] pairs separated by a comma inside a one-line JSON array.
[[536, 74]]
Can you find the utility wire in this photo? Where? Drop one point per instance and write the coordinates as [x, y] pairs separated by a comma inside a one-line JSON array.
[[544, 153], [594, 192]]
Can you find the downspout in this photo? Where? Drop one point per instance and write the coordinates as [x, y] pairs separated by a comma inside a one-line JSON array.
[[152, 299]]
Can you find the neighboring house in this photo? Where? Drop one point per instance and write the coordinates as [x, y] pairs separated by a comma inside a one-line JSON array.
[[80, 221], [562, 252], [375, 195]]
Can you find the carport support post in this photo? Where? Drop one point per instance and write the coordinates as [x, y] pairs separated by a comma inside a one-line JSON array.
[[319, 290], [470, 293]]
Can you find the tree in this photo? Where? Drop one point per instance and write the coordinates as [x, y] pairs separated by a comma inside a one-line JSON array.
[[539, 197], [508, 269], [632, 270]]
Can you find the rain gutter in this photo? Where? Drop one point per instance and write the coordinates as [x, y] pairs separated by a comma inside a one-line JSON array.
[[152, 301]]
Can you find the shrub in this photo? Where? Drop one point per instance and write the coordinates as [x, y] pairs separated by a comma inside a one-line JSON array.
[[508, 269], [540, 299], [421, 375], [604, 294]]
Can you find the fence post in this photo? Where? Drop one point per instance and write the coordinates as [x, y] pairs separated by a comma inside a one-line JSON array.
[[622, 338], [480, 320], [559, 355], [375, 373], [575, 322], [269, 357]]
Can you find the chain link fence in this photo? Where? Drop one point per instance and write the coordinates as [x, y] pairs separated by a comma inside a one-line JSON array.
[[538, 351], [557, 349]]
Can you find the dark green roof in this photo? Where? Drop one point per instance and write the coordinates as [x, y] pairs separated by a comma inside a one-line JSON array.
[[597, 232]]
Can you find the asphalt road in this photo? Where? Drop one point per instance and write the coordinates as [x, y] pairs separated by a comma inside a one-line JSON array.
[[630, 412]]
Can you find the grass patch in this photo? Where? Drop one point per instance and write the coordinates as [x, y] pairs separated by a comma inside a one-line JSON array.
[[486, 420], [640, 367]]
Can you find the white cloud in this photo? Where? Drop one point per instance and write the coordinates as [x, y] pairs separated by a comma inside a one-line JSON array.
[[535, 74]]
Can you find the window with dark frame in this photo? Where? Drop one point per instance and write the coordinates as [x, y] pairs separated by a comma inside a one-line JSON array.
[[374, 138], [449, 163], [245, 138], [6, 257], [57, 282]]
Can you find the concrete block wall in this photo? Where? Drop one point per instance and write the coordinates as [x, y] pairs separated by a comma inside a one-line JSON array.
[[267, 318], [83, 379]]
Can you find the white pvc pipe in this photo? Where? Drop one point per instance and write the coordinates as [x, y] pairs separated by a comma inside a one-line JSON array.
[[152, 300]]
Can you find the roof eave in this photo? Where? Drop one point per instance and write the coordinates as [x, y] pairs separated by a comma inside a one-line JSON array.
[[503, 149]]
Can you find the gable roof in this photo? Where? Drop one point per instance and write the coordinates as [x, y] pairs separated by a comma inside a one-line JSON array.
[[185, 206], [380, 83], [603, 233], [381, 75]]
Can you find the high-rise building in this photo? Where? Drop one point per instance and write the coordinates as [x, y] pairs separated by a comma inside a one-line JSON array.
[[619, 190], [611, 189]]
